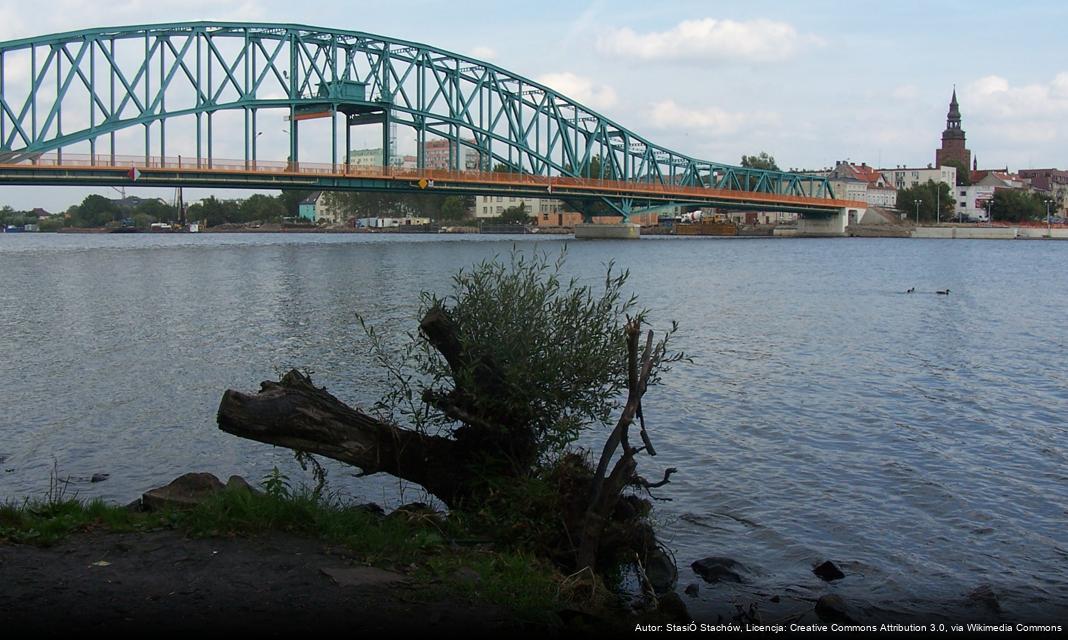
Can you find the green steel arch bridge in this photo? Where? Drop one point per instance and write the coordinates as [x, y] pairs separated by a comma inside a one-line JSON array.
[[149, 105]]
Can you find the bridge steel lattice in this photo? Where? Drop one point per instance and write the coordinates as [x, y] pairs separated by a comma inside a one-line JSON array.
[[85, 107]]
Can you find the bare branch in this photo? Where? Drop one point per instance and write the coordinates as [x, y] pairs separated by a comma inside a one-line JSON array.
[[618, 434], [653, 485], [644, 434]]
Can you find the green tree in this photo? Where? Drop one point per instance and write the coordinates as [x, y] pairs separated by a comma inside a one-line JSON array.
[[96, 211], [514, 215], [143, 220], [348, 201], [156, 208], [930, 195], [54, 223], [9, 216], [214, 211], [964, 172], [261, 207], [763, 161], [453, 208], [1015, 205], [290, 199]]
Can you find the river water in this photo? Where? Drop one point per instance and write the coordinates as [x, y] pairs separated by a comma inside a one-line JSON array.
[[918, 441]]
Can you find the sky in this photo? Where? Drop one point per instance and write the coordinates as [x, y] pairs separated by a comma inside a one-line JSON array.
[[808, 82]]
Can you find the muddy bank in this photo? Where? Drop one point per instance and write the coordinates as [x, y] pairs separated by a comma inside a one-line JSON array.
[[273, 583]]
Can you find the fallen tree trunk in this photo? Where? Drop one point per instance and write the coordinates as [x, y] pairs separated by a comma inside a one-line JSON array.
[[294, 413], [465, 467]]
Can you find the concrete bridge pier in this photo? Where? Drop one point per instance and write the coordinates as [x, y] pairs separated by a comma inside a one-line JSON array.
[[832, 225]]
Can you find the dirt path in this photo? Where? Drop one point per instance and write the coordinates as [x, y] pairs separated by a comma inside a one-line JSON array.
[[273, 584]]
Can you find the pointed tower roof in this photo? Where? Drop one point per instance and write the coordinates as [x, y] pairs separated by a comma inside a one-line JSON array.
[[953, 129], [954, 108]]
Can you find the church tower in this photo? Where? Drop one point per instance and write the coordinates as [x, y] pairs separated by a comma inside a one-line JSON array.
[[953, 148]]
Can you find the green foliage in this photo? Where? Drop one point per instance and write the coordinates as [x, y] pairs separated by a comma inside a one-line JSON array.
[[261, 207], [276, 484], [514, 215], [454, 208], [158, 210], [432, 548], [557, 347], [9, 216], [290, 200], [44, 523], [404, 369], [142, 220], [964, 172], [763, 161], [522, 583], [930, 195], [424, 204], [214, 211], [558, 344], [96, 211], [1014, 205], [51, 224]]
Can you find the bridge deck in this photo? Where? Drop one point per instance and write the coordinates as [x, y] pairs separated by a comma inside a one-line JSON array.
[[155, 171]]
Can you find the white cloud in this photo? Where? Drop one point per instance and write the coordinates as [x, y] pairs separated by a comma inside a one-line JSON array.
[[708, 120], [483, 53], [580, 89], [995, 97], [709, 39]]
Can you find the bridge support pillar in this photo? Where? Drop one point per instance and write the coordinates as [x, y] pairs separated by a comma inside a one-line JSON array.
[[833, 225], [620, 231]]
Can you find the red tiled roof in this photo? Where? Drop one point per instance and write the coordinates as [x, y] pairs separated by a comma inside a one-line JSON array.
[[867, 174]]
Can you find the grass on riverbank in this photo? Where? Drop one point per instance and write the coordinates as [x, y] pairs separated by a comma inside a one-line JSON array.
[[431, 548]]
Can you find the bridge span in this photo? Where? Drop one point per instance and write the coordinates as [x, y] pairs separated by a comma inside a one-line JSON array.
[[154, 105]]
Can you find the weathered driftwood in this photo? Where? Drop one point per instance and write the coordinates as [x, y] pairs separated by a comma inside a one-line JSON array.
[[294, 413]]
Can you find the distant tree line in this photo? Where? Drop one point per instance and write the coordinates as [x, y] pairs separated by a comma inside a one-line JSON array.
[[392, 205], [11, 217], [99, 211]]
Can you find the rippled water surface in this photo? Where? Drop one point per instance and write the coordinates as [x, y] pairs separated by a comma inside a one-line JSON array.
[[917, 440]]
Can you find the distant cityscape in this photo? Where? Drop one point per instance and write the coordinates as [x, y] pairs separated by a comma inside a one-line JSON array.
[[971, 187]]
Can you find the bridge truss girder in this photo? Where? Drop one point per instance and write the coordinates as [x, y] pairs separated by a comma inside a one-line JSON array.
[[110, 80]]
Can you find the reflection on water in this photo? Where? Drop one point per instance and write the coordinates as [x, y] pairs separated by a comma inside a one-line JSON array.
[[917, 440]]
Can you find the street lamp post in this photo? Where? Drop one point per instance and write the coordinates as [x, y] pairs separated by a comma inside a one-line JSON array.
[[1049, 224], [938, 203], [917, 203], [989, 213]]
